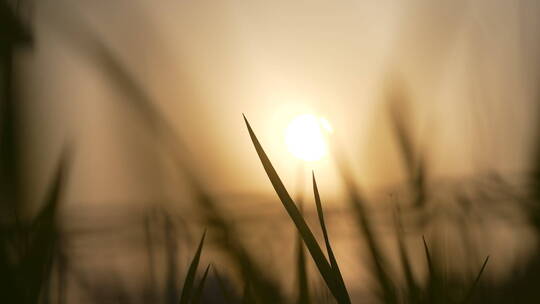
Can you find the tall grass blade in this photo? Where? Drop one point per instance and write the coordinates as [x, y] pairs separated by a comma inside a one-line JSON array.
[[190, 276], [330, 252], [199, 291], [436, 286], [429, 260], [322, 264], [475, 283]]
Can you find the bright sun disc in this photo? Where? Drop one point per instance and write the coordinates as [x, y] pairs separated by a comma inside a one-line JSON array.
[[305, 137]]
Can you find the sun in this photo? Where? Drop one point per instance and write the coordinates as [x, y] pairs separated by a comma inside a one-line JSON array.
[[305, 137]]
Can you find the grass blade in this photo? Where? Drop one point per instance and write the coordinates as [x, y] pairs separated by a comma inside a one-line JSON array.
[[190, 276], [436, 285], [198, 292], [428, 258], [475, 283], [331, 256], [307, 236]]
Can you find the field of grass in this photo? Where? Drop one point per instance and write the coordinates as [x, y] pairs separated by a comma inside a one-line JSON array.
[[35, 266]]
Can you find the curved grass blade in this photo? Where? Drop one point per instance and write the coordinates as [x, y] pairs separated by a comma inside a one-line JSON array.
[[190, 276], [473, 286], [331, 256], [428, 258], [436, 290], [322, 264], [198, 292]]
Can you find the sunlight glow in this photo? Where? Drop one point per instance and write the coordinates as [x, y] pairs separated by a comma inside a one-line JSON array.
[[306, 137]]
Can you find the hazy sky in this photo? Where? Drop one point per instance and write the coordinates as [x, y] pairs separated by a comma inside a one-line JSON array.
[[469, 66]]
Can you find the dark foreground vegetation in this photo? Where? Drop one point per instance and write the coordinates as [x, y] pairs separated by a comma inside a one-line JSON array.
[[34, 265]]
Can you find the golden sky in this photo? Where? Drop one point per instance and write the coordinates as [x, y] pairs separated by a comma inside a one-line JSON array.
[[469, 69]]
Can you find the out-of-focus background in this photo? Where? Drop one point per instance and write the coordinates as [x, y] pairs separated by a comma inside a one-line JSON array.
[[431, 97]]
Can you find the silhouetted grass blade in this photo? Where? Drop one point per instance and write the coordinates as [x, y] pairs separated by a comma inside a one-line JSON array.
[[428, 258], [190, 276], [476, 280], [316, 253], [331, 256], [436, 289], [199, 291]]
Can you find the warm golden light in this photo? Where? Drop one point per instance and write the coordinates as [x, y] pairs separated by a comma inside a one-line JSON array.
[[306, 137]]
